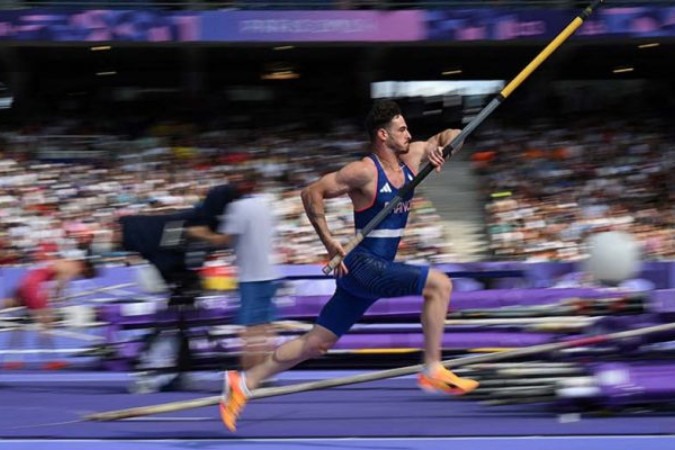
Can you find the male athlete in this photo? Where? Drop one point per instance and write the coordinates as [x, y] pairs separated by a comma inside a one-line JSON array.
[[369, 271]]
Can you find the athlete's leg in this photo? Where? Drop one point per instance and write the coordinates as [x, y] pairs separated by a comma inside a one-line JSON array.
[[256, 345], [436, 293], [312, 344], [383, 278], [435, 377], [336, 318]]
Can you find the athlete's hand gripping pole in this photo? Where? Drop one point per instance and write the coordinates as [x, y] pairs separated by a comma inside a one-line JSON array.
[[452, 147]]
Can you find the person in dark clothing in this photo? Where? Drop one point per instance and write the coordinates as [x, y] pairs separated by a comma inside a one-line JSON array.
[[160, 239]]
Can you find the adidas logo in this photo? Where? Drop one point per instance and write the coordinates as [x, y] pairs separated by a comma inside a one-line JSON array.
[[385, 188]]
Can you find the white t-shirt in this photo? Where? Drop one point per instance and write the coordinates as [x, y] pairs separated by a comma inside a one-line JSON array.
[[250, 221]]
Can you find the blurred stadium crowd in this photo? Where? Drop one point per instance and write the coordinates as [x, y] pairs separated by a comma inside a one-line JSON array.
[[46, 207], [546, 187]]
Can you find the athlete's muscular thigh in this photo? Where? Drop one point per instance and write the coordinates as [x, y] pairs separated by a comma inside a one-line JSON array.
[[375, 277]]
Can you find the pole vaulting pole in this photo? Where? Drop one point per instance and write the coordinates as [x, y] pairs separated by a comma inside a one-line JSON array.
[[383, 374], [452, 147]]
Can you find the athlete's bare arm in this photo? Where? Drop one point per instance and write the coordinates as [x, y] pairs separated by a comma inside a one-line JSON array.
[[431, 150], [354, 179]]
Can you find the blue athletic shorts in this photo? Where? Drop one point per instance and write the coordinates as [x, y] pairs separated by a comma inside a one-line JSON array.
[[256, 305], [370, 278]]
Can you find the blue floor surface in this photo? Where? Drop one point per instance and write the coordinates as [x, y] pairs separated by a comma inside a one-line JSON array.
[[512, 443], [41, 410]]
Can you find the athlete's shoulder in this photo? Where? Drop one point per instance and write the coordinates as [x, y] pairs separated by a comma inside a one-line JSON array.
[[361, 170], [367, 161]]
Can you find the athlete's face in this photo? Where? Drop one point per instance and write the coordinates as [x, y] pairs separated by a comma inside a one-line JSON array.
[[397, 135]]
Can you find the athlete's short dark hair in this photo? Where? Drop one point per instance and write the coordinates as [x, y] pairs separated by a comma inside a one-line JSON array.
[[381, 113]]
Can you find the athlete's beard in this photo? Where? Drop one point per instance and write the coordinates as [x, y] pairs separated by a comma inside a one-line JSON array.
[[400, 149], [404, 150]]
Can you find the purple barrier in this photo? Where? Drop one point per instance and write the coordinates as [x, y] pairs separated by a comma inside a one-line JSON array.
[[451, 340], [494, 298], [612, 324], [222, 310], [497, 298], [203, 346], [663, 300], [623, 384], [533, 275]]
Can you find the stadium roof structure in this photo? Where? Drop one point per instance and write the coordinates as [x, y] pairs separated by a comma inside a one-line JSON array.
[[226, 59], [241, 63], [64, 67]]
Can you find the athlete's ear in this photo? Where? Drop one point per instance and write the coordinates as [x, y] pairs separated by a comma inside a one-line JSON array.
[[382, 133]]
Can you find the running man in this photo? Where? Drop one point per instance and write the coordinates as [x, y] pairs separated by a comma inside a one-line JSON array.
[[369, 271]]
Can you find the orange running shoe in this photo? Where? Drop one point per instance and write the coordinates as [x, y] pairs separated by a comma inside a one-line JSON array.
[[234, 399], [440, 379]]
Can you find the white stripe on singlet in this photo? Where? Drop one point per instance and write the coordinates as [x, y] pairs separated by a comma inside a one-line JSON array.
[[385, 233]]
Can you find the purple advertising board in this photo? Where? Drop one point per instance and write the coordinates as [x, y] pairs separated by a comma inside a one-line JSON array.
[[457, 25], [313, 26], [98, 26], [507, 25]]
